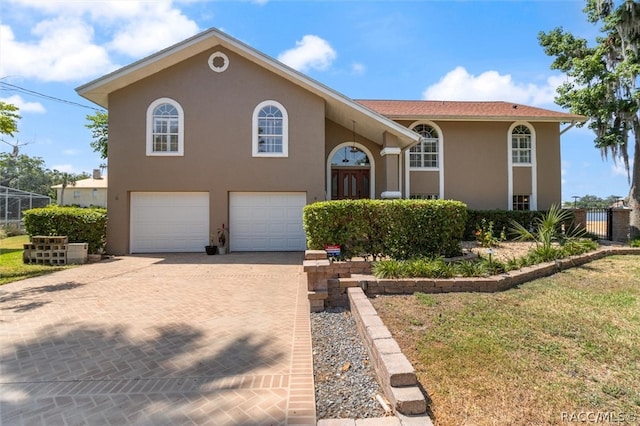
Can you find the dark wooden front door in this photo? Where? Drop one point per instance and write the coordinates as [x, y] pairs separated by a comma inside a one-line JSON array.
[[349, 183]]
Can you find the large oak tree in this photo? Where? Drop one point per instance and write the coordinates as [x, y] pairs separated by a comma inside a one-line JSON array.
[[603, 83]]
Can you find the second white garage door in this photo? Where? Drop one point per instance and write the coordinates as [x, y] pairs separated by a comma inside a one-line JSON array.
[[266, 221], [169, 221]]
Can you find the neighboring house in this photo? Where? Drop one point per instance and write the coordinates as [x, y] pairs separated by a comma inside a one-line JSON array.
[[84, 193], [211, 132]]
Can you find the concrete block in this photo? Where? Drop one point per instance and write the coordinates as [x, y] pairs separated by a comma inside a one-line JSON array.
[[408, 400], [379, 421], [386, 346], [312, 295], [315, 254], [378, 332], [336, 422], [417, 420], [77, 253], [398, 369]]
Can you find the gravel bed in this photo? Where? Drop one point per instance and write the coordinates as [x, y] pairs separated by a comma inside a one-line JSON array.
[[345, 382]]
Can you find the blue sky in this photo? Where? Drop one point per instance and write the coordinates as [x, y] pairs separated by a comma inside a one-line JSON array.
[[451, 50]]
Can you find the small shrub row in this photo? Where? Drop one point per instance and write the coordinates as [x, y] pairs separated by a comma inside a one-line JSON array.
[[11, 230], [400, 229], [500, 220], [80, 225], [482, 267]]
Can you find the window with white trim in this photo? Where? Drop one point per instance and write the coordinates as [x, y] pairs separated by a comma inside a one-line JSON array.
[[270, 130], [165, 128], [424, 155], [521, 145], [521, 202]]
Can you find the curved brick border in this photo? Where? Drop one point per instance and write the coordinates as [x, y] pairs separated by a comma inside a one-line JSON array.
[[327, 282], [394, 371]]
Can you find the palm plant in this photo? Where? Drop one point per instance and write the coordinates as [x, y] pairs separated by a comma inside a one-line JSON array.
[[549, 229]]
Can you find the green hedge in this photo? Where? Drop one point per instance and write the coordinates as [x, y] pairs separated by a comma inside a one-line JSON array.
[[500, 218], [80, 225], [400, 229]]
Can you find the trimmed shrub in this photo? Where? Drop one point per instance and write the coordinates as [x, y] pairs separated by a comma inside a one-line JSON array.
[[80, 225], [400, 229], [501, 219]]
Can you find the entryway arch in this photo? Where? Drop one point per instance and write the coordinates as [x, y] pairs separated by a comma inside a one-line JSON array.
[[358, 169]]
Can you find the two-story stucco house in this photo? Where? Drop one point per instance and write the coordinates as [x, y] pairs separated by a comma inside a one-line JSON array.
[[211, 131]]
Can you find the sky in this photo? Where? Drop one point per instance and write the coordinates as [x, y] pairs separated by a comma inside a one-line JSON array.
[[437, 50]]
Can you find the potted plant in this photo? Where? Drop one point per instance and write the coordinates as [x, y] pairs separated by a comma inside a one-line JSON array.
[[222, 239], [211, 248]]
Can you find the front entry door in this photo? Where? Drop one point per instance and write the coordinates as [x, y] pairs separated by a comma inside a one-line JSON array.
[[351, 183]]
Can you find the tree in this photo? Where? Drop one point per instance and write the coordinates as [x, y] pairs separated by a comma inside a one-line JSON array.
[[602, 83], [99, 126], [9, 119], [66, 179], [25, 173]]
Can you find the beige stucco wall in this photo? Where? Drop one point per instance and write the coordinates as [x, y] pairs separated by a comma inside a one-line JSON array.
[[84, 198], [476, 165], [218, 109], [425, 182], [549, 164]]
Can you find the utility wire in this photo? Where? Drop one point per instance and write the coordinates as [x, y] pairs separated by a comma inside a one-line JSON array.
[[13, 88]]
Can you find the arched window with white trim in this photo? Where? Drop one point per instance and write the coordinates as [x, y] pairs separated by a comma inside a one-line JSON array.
[[165, 128], [426, 153], [270, 132], [521, 148], [521, 144]]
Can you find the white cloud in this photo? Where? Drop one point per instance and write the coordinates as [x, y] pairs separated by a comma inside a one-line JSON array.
[[64, 47], [159, 27], [618, 168], [459, 85], [71, 152], [64, 168], [63, 52], [312, 52], [25, 106], [358, 68]]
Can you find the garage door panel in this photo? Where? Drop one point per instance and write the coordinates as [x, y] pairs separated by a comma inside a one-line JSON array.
[[169, 222], [267, 221]]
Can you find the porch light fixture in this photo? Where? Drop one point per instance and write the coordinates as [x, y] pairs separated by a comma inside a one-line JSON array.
[[345, 159], [353, 138]]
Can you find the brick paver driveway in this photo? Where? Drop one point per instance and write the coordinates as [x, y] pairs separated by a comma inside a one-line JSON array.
[[153, 340]]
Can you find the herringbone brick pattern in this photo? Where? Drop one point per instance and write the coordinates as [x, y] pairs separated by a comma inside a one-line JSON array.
[[176, 339]]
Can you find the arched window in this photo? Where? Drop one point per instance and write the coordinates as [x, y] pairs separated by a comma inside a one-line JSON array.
[[521, 144], [165, 128], [270, 130], [425, 154]]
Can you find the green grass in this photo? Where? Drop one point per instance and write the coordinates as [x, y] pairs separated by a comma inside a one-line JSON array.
[[566, 343], [12, 267]]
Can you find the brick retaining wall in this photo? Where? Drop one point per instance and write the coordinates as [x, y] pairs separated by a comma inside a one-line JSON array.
[[327, 281]]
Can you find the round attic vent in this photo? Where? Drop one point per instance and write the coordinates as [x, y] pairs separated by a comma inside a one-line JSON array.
[[218, 61]]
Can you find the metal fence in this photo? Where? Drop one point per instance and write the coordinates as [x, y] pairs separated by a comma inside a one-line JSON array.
[[600, 223], [14, 201]]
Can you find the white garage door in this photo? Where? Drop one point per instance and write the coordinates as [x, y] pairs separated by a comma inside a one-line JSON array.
[[169, 222], [266, 221]]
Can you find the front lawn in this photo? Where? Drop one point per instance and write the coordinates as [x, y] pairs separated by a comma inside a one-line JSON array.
[[546, 352], [11, 266]]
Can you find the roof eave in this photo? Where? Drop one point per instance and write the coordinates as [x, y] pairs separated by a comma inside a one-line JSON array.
[[98, 90]]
